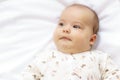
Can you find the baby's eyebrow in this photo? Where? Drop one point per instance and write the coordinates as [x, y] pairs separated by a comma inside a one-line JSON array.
[[78, 22]]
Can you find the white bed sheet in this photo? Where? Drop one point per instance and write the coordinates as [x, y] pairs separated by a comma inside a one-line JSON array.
[[26, 28]]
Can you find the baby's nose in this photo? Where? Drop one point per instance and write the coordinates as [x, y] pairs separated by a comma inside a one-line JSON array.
[[66, 29]]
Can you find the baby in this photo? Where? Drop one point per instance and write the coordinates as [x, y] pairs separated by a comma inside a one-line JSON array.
[[74, 59]]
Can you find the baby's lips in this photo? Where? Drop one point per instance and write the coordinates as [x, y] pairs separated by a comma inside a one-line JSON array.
[[65, 38]]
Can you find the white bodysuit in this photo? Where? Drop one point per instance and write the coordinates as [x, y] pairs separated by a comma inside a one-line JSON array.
[[89, 65]]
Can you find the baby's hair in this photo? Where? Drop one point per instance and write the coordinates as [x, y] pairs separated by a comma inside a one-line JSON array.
[[96, 19]]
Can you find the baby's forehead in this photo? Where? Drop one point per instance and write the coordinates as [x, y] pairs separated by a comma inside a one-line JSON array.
[[80, 8], [81, 12]]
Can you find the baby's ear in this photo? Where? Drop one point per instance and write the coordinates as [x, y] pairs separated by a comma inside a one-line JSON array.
[[93, 39]]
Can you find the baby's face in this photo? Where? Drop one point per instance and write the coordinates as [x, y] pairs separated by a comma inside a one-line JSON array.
[[74, 32]]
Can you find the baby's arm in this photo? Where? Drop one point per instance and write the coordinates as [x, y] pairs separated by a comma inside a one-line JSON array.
[[35, 70], [32, 73], [110, 70]]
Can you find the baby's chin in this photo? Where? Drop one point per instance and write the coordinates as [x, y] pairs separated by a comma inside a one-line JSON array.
[[65, 49], [70, 48]]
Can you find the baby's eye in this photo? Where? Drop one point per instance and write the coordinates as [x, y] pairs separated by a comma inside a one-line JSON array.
[[61, 24], [76, 26]]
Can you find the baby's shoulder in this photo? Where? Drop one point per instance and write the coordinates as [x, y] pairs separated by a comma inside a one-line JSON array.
[[99, 54]]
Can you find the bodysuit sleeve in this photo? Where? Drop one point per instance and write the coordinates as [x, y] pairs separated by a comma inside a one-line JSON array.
[[34, 70], [109, 70]]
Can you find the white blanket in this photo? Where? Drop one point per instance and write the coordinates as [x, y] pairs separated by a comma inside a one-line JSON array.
[[26, 28]]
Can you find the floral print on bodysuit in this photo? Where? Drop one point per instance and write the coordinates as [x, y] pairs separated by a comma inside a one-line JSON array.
[[89, 65]]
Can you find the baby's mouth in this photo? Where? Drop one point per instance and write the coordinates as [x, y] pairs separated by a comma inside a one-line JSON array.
[[65, 38]]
